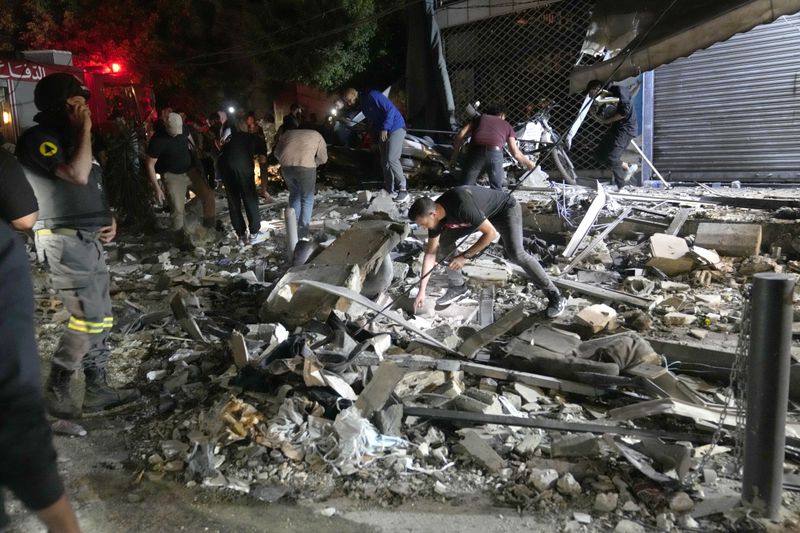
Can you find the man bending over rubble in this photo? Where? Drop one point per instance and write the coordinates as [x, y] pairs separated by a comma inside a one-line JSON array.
[[459, 212]]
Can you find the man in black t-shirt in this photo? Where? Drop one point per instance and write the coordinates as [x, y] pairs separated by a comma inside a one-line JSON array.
[[18, 204], [461, 211], [168, 155], [623, 127]]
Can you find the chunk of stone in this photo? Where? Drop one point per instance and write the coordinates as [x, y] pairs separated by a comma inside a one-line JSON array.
[[670, 255], [679, 319], [568, 486], [480, 451], [681, 502], [597, 318], [582, 518], [605, 502], [580, 445], [529, 445], [543, 479], [628, 526]]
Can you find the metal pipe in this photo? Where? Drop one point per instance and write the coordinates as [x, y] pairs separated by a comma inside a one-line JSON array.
[[767, 392], [650, 163], [290, 219]]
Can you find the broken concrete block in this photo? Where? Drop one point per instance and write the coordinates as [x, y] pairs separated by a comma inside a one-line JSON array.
[[530, 394], [486, 272], [638, 285], [480, 451], [380, 387], [581, 445], [582, 518], [241, 356], [568, 486], [543, 479], [413, 383], [628, 526], [529, 445], [670, 255], [597, 317], [605, 502], [681, 502], [679, 319], [474, 402], [704, 256], [734, 240], [698, 334], [364, 196], [488, 385], [673, 286], [757, 264], [389, 420]]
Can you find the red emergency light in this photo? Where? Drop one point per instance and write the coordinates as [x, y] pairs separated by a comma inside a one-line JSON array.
[[116, 68]]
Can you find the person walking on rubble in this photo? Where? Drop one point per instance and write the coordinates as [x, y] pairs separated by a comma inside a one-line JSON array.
[[236, 168], [389, 129], [300, 152], [622, 130], [490, 133], [74, 223], [169, 154], [461, 211]]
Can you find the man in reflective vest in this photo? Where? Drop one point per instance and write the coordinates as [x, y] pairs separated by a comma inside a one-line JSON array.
[[74, 223]]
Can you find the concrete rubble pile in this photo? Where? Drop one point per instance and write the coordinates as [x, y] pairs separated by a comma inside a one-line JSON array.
[[303, 382]]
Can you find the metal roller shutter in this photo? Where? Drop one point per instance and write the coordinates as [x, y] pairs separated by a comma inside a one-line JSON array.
[[732, 111]]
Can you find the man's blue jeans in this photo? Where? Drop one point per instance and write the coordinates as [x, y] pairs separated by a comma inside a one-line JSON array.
[[301, 182]]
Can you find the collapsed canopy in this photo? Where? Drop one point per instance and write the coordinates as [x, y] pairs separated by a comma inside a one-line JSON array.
[[659, 37]]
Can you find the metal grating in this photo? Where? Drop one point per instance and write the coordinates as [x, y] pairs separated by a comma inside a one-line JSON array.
[[520, 58]]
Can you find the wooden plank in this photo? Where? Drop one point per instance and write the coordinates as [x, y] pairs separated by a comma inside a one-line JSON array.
[[678, 221], [670, 406], [528, 378], [604, 294], [421, 362], [549, 423], [483, 337], [586, 223]]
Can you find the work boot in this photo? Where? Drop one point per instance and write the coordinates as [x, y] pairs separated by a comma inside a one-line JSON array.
[[100, 396], [182, 241], [556, 304], [57, 397]]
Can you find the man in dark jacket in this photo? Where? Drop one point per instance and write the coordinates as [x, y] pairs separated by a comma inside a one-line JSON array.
[[622, 129], [74, 223]]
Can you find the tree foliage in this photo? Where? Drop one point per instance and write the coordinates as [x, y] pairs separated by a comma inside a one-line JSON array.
[[208, 48]]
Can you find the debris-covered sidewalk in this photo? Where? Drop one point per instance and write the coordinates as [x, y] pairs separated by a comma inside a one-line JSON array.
[[301, 380]]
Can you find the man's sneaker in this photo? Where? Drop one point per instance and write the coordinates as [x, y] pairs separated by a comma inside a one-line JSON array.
[[402, 196], [556, 306], [453, 294], [258, 238]]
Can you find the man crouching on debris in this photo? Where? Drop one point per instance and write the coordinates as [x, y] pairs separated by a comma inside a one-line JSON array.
[[74, 223], [459, 212]]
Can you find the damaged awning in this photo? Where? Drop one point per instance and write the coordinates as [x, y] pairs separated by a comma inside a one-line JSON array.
[[687, 26]]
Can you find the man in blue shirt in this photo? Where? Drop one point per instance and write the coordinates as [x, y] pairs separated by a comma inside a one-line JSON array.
[[389, 128]]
